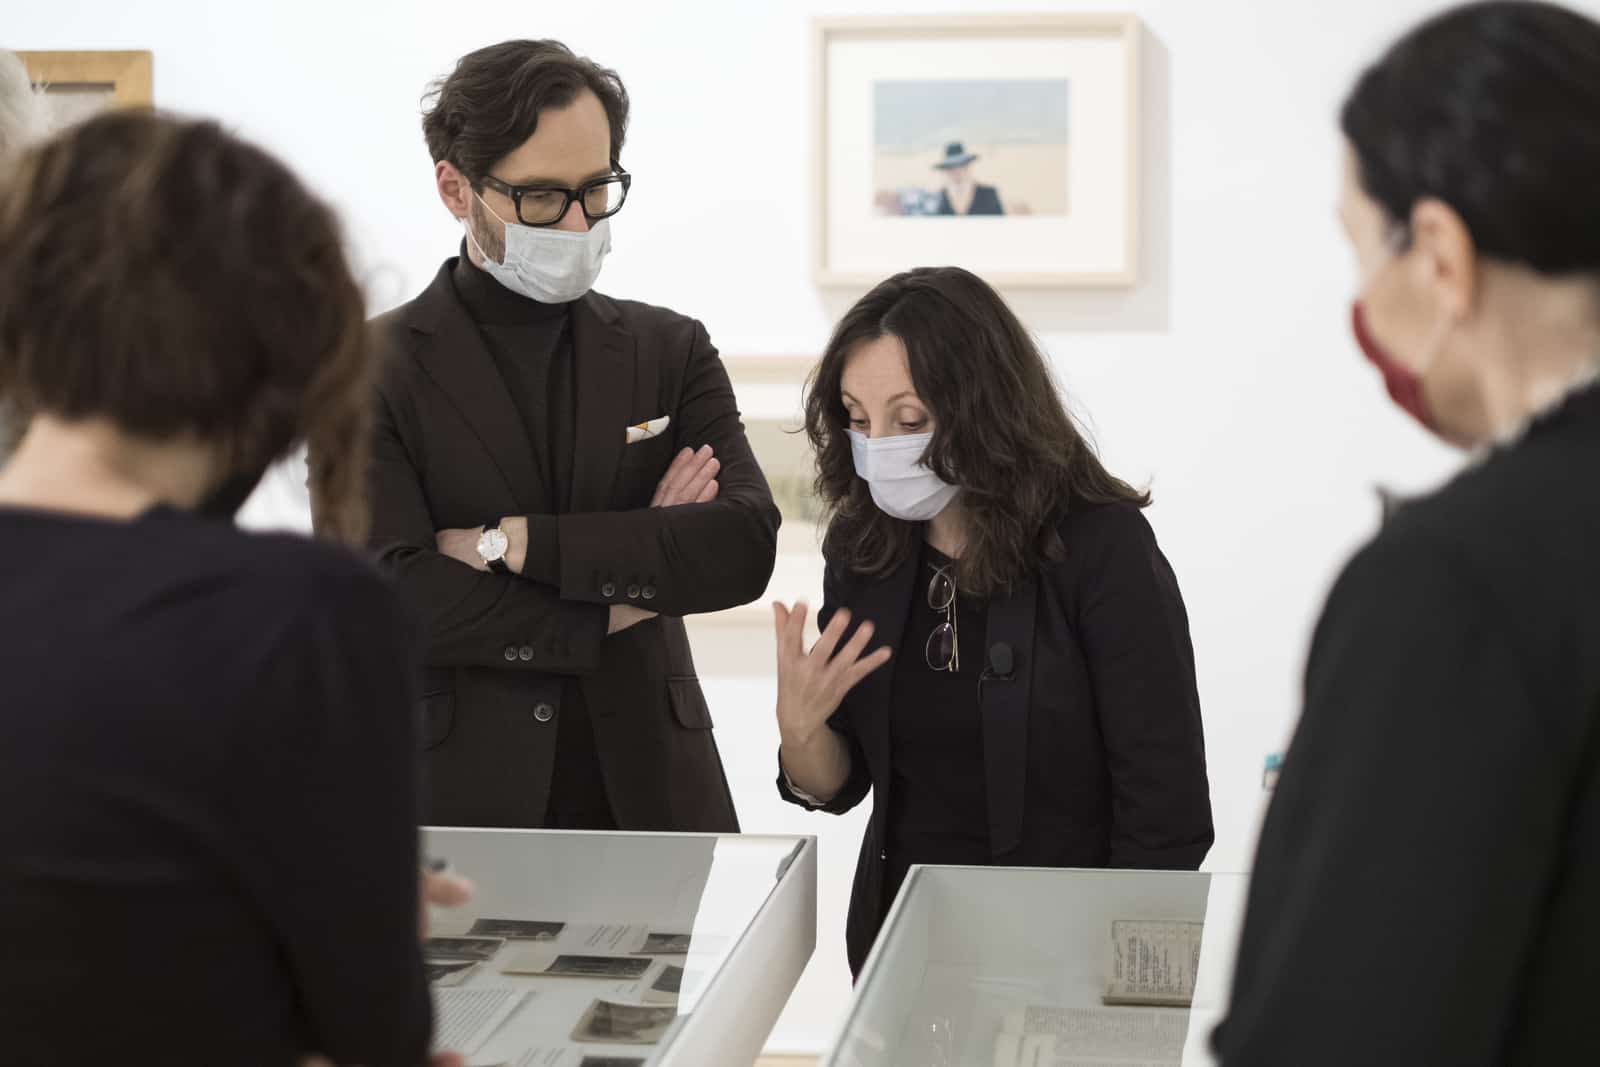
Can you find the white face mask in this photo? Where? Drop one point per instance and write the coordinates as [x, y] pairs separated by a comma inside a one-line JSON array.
[[901, 486], [544, 264]]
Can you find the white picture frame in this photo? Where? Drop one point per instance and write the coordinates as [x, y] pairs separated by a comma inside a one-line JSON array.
[[1092, 242]]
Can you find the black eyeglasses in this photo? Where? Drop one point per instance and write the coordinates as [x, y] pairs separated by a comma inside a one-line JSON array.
[[546, 205], [943, 650]]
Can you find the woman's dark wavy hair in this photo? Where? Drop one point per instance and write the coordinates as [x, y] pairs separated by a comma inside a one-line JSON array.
[[1001, 431], [1494, 109]]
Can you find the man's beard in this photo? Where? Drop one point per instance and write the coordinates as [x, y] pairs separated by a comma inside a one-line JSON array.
[[488, 232]]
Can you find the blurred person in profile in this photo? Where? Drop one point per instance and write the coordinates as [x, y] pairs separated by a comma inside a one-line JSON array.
[[23, 118], [208, 771], [1041, 710], [1429, 869]]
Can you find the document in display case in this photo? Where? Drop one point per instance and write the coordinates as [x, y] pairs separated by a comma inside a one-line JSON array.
[[1024, 967], [616, 949]]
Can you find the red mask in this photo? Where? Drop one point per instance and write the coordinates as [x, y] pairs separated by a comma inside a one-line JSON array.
[[1404, 384]]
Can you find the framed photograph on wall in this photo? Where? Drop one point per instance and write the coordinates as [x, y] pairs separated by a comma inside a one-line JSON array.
[[739, 643], [1004, 144], [76, 85]]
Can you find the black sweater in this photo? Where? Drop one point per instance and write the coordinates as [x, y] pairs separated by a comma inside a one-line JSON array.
[[208, 846], [1429, 873]]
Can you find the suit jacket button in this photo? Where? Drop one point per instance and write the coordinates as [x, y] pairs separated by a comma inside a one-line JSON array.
[[544, 712], [883, 857], [525, 653], [608, 590], [649, 592], [511, 653], [633, 592]]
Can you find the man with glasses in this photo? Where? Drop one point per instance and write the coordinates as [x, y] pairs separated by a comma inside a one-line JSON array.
[[559, 477]]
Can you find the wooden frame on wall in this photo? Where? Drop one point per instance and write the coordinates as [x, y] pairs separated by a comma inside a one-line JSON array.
[[1125, 30], [112, 79]]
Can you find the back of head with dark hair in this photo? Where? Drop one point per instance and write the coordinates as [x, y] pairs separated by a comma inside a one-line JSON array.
[[1001, 431], [1494, 109], [175, 281], [490, 104]]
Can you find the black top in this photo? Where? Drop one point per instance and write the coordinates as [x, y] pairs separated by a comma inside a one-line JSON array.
[[531, 344], [1092, 749], [985, 201], [938, 809], [1429, 870], [208, 847]]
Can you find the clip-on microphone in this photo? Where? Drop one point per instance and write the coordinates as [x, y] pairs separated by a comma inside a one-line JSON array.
[[1002, 662]]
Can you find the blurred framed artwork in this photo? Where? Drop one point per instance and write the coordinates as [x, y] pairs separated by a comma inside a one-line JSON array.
[[77, 85], [1007, 145], [739, 642]]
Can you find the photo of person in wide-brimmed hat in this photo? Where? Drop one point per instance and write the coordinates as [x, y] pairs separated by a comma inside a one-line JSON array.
[[962, 194]]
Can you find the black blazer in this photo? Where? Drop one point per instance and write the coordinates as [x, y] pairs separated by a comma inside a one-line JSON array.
[[985, 201], [452, 451], [1093, 751], [1429, 870]]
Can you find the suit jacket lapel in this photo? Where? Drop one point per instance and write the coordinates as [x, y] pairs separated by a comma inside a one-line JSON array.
[[1004, 708], [603, 352], [457, 360], [887, 602]]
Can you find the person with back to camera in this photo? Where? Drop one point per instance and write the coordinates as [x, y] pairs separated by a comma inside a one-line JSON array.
[[1041, 709], [1429, 869], [208, 770]]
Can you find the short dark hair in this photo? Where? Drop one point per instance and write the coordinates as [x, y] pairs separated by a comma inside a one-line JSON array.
[[174, 280], [1494, 109], [1001, 431], [491, 102]]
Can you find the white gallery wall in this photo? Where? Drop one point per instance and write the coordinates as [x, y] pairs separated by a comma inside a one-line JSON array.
[[1226, 380]]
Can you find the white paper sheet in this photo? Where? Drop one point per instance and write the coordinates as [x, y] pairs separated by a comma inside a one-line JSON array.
[[465, 1018]]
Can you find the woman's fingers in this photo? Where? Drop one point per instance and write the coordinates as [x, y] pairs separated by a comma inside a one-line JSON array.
[[861, 668], [823, 650], [851, 652]]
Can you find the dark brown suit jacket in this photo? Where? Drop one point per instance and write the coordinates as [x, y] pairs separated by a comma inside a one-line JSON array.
[[451, 451]]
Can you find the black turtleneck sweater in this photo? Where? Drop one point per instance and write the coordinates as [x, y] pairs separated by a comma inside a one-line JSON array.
[[532, 346]]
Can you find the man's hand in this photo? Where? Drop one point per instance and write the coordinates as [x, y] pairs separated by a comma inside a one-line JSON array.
[[446, 891], [692, 479], [462, 546]]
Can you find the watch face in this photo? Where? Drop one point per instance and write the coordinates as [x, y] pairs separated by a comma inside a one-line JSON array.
[[492, 545]]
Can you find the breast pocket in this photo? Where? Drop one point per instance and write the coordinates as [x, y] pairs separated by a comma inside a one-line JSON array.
[[643, 466], [689, 705]]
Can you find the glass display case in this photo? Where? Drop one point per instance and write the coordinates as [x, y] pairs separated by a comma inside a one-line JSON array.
[[1016, 967], [618, 950]]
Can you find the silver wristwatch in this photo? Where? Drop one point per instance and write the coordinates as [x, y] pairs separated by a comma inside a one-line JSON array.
[[492, 545]]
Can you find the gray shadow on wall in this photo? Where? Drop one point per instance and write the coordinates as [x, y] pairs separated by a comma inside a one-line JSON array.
[[1144, 307]]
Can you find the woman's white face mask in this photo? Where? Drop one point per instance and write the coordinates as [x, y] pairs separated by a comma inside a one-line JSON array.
[[902, 487]]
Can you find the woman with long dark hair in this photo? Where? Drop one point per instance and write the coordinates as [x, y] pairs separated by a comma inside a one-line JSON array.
[[1041, 706], [1429, 870]]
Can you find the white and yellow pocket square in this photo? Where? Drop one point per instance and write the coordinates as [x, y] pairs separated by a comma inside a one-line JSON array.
[[644, 431]]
